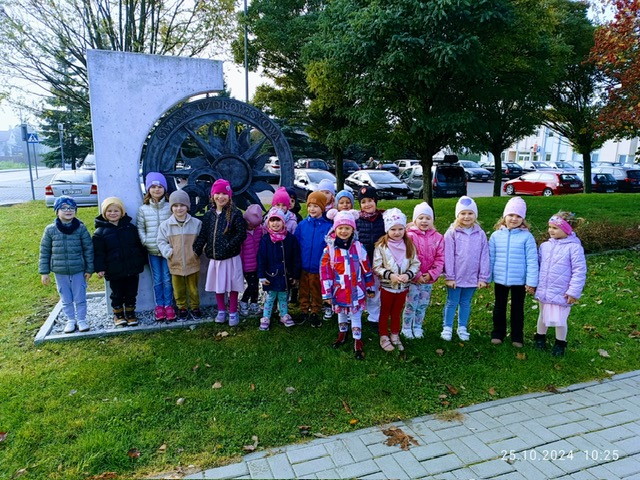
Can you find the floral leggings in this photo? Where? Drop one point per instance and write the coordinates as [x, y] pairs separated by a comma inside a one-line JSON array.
[[415, 308], [283, 306]]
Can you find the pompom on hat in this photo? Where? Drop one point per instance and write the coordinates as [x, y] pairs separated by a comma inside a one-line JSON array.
[[155, 178], [423, 209], [515, 206], [64, 200], [221, 186], [346, 217], [326, 184], [466, 203], [368, 192], [281, 196], [253, 215], [318, 199], [107, 202], [393, 217], [179, 197]]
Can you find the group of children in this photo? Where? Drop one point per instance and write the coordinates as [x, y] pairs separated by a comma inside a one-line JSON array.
[[337, 259]]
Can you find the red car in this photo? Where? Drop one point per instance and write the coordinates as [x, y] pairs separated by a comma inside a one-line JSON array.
[[544, 183]]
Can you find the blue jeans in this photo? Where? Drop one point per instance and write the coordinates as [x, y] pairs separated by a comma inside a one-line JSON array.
[[73, 295], [458, 299], [162, 288]]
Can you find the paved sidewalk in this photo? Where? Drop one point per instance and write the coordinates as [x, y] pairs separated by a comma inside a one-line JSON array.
[[586, 431]]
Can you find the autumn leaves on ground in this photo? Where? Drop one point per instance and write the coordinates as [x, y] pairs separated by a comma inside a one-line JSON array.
[[147, 403]]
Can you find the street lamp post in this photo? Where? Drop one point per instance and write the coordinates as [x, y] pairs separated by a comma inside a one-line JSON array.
[[61, 133]]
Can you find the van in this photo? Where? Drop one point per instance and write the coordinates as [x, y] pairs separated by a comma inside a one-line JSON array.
[[448, 180]]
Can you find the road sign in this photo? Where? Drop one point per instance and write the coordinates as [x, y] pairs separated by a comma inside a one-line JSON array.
[[32, 138]]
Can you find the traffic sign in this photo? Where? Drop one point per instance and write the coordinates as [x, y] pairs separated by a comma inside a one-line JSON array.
[[32, 138]]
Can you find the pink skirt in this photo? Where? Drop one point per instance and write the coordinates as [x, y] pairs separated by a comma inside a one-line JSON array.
[[554, 315], [225, 275]]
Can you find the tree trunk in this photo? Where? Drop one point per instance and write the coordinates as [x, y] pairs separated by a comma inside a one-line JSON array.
[[497, 173], [338, 156], [426, 161], [586, 164]]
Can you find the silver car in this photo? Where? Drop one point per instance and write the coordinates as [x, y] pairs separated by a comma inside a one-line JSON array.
[[81, 185]]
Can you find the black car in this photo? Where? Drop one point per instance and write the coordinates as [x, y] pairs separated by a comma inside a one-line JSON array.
[[348, 167], [316, 163], [509, 169], [388, 185], [389, 167]]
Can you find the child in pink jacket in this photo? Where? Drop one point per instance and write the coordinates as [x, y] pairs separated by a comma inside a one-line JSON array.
[[249, 255], [430, 250]]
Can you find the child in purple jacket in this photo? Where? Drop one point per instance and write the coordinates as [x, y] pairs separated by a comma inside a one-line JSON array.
[[249, 256], [563, 272], [466, 266]]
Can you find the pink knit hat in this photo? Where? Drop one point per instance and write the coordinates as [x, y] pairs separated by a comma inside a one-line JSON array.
[[281, 196], [253, 215], [221, 186], [515, 206], [346, 217]]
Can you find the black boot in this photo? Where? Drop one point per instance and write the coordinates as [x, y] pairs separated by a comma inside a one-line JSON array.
[[559, 348], [130, 315], [118, 317], [540, 340], [359, 354]]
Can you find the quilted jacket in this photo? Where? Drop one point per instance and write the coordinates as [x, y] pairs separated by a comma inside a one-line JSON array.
[[217, 243], [563, 270], [148, 220], [66, 254], [430, 250], [514, 257], [466, 256], [249, 249]]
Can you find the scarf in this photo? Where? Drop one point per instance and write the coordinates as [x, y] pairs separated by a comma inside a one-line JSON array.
[[398, 250], [346, 244], [68, 228], [371, 217], [277, 236]]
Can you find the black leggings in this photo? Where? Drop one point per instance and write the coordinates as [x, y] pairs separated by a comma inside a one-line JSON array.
[[517, 312], [250, 295]]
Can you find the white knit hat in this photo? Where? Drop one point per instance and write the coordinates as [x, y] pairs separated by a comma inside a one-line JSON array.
[[393, 217], [466, 203], [516, 206], [422, 209]]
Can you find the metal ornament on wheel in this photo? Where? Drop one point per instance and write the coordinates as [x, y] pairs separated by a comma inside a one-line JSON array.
[[212, 138]]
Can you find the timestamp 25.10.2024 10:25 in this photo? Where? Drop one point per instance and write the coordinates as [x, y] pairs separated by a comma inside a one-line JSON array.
[[560, 455]]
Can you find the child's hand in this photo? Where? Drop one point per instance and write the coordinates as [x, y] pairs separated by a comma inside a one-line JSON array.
[[450, 283], [404, 278], [370, 294], [264, 281], [426, 278], [482, 284], [570, 300], [100, 274], [45, 279], [530, 290], [87, 276]]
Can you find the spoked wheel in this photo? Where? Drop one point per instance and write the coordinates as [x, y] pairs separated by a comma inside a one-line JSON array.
[[547, 192], [510, 190]]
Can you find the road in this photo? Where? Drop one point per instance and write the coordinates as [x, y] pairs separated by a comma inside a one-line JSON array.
[[15, 186]]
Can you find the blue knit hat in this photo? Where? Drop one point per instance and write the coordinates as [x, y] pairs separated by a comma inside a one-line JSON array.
[[345, 193], [64, 200]]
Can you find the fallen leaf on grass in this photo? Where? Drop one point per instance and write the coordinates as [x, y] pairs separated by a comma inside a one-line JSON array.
[[220, 335], [445, 403], [589, 328], [521, 356], [133, 453], [603, 353], [162, 448], [609, 372], [195, 367], [634, 334], [398, 437], [534, 307], [346, 407], [207, 365], [104, 476], [492, 392], [180, 401], [353, 421], [440, 352], [320, 435], [252, 447], [304, 429], [216, 385], [551, 388], [599, 302], [20, 472], [442, 396], [72, 393], [252, 387], [3, 436], [452, 390], [290, 390], [299, 359]]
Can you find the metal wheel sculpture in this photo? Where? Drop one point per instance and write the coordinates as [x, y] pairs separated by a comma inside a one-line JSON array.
[[217, 137]]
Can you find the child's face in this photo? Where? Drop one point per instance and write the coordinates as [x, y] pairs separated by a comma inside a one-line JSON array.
[[424, 222], [556, 232], [344, 204], [343, 232], [221, 199], [292, 202], [314, 210], [179, 210], [513, 221], [368, 205], [156, 192], [113, 214], [66, 213], [467, 218], [396, 232], [282, 206], [276, 224], [328, 195]]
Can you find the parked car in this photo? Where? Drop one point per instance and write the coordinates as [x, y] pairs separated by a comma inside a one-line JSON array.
[[535, 166], [389, 167], [388, 185], [448, 180], [545, 183], [628, 179], [81, 185], [272, 166], [404, 164], [509, 169], [348, 167], [316, 163], [475, 171], [89, 162], [306, 180], [565, 166], [601, 182]]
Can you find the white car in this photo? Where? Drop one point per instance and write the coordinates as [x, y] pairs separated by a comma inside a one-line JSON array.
[[81, 185], [406, 163], [306, 180]]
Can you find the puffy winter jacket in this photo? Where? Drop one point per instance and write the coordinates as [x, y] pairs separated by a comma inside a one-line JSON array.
[[310, 234], [384, 265], [117, 249], [369, 232], [514, 257], [66, 253], [466, 257], [279, 262], [563, 270], [249, 249], [148, 220], [175, 242], [216, 243], [430, 250]]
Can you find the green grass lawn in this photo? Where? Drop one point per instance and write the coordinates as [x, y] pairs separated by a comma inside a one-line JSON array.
[[76, 409]]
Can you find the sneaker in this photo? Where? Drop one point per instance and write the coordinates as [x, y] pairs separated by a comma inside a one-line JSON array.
[[183, 313], [418, 333], [496, 341], [170, 312], [160, 314], [264, 324], [70, 326], [287, 321], [300, 319], [197, 313], [315, 320], [221, 317], [118, 317], [446, 333], [517, 344], [328, 313], [408, 333], [83, 326], [244, 309], [463, 334], [234, 319], [254, 309]]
